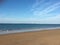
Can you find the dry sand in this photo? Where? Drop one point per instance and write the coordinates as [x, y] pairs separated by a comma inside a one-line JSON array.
[[51, 37]]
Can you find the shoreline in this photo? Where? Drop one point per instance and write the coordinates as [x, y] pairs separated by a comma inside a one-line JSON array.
[[27, 30], [43, 37]]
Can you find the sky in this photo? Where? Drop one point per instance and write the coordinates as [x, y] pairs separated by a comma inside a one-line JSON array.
[[30, 11]]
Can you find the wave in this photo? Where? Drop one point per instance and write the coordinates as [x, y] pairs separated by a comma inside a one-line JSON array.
[[26, 30]]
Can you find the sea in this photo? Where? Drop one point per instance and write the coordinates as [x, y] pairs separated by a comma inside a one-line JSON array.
[[15, 28]]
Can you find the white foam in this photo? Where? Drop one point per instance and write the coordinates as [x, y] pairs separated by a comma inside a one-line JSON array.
[[27, 30]]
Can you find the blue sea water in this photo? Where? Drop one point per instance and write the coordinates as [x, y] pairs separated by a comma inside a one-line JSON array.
[[27, 27]]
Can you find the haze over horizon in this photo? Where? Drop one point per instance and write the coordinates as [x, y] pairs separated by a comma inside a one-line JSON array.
[[30, 11]]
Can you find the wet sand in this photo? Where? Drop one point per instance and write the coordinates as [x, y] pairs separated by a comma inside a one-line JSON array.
[[46, 37]]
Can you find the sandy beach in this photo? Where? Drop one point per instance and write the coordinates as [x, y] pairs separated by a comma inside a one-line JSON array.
[[46, 37]]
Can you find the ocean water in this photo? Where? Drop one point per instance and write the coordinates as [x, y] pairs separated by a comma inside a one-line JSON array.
[[10, 28], [26, 26]]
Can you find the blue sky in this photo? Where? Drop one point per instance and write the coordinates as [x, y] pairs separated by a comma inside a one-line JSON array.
[[30, 11]]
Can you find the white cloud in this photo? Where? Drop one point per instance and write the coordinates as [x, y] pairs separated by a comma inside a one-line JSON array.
[[37, 2], [50, 20], [47, 10]]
